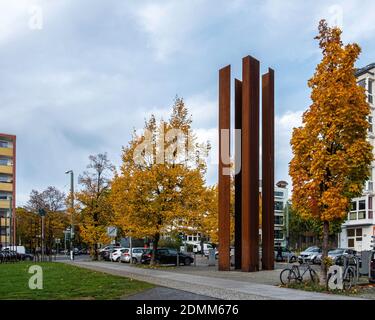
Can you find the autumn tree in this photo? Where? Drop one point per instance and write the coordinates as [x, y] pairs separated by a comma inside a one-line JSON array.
[[52, 201], [161, 187], [331, 156], [95, 210]]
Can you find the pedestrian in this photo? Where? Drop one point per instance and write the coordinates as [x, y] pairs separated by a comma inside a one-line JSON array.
[[279, 256]]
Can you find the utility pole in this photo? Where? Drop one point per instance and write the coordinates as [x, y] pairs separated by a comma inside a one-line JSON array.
[[71, 217]]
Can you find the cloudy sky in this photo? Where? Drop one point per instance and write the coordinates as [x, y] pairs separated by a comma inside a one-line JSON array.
[[77, 76]]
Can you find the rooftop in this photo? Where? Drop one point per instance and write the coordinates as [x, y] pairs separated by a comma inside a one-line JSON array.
[[364, 70]]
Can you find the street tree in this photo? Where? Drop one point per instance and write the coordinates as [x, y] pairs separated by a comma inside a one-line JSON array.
[[95, 210], [53, 202], [161, 187], [331, 155]]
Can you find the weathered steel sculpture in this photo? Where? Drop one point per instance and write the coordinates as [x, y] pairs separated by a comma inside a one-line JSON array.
[[247, 113]]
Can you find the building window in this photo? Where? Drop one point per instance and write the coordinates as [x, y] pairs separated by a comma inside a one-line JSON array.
[[370, 185], [362, 205], [362, 83], [350, 243], [279, 194], [353, 215], [5, 178], [370, 82], [279, 205], [279, 220], [279, 235], [361, 215], [354, 235], [370, 215], [370, 119], [350, 232], [4, 144], [4, 213], [353, 206], [5, 196]]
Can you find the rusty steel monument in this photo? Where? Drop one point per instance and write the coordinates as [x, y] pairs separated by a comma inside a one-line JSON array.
[[246, 179]]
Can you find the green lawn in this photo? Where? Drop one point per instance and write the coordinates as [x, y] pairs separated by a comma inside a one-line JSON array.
[[61, 281]]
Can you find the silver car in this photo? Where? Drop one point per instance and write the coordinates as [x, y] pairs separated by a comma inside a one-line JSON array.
[[309, 255], [136, 255], [336, 254]]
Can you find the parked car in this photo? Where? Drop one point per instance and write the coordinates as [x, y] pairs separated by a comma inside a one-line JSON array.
[[167, 256], [84, 251], [116, 254], [372, 268], [336, 255], [18, 249], [286, 254], [136, 255], [309, 255], [106, 254], [109, 247]]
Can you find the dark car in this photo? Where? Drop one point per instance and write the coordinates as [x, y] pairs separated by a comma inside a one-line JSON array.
[[106, 254], [167, 256]]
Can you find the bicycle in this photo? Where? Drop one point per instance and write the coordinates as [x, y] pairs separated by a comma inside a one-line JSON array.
[[293, 275], [350, 274]]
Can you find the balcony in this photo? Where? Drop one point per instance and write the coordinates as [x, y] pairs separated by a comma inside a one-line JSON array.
[[4, 239], [6, 187], [4, 204], [6, 169], [6, 152], [4, 222]]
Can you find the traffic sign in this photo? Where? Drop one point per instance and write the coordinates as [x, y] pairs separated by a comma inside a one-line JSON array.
[[42, 212], [112, 231]]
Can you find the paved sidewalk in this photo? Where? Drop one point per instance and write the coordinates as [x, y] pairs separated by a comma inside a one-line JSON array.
[[220, 288], [163, 293]]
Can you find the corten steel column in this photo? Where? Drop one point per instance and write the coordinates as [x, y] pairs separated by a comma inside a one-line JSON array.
[[238, 177], [224, 177], [268, 156], [250, 164]]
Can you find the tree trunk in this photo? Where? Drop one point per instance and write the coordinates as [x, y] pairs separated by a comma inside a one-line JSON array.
[[95, 256], [323, 278], [154, 248]]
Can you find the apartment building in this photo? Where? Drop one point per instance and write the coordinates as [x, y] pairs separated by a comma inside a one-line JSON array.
[[7, 189], [360, 225]]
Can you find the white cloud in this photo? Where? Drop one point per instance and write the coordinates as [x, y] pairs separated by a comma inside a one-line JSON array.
[[284, 125]]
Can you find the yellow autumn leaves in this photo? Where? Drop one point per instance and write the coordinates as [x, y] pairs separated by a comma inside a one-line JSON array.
[[331, 154]]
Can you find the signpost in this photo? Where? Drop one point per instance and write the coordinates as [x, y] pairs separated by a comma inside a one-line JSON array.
[[112, 233]]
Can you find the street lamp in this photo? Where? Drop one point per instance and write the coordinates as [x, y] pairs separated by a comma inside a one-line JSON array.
[[72, 207]]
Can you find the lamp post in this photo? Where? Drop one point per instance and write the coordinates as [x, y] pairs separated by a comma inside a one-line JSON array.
[[72, 207]]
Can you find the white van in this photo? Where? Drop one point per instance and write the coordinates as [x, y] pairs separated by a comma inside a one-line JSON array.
[[197, 248], [18, 249]]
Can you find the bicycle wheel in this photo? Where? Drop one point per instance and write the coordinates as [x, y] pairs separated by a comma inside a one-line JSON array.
[[314, 276], [288, 276], [349, 280]]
